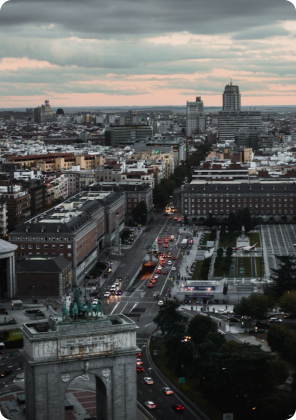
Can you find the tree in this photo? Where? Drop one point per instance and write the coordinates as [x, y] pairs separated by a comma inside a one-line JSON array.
[[276, 337], [284, 276], [231, 222], [288, 302], [241, 371], [255, 306], [220, 252], [168, 316], [200, 326]]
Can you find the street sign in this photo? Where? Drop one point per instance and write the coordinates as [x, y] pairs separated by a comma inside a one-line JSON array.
[[182, 381]]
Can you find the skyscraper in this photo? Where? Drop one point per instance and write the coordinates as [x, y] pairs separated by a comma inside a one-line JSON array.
[[231, 98], [195, 117]]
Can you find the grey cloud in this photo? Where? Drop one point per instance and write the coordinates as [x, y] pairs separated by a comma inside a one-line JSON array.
[[261, 33], [106, 19]]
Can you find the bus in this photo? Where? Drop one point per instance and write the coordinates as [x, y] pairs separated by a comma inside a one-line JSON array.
[[184, 243]]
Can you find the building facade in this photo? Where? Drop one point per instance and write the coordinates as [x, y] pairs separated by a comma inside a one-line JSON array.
[[231, 98], [263, 198], [195, 118]]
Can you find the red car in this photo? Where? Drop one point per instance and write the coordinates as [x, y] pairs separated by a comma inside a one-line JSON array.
[[178, 407], [140, 369], [166, 246], [165, 272], [153, 280], [158, 271], [174, 258], [150, 285]]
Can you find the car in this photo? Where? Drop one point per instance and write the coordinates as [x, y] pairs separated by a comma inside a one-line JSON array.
[[175, 218], [178, 407], [95, 301], [156, 276], [158, 271], [139, 362], [233, 319], [150, 405], [150, 285], [160, 303], [153, 280], [119, 279], [7, 372], [140, 369], [275, 319], [107, 294], [174, 269], [290, 316], [118, 292], [165, 272], [148, 380], [167, 390], [174, 258], [116, 283], [170, 217], [169, 262], [222, 311], [165, 246]]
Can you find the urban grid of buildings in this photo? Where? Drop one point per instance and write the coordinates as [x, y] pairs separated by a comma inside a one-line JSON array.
[[69, 182]]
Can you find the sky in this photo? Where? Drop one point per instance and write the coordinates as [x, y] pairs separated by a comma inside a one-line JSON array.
[[145, 53]]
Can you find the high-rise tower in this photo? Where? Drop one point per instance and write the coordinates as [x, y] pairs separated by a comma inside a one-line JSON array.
[[195, 118], [231, 98]]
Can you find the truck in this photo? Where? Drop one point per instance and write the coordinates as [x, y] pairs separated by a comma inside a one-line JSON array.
[[184, 243]]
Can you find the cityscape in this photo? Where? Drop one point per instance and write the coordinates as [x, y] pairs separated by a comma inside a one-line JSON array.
[[147, 210]]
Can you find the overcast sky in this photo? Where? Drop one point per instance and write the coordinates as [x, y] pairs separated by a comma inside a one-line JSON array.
[[153, 52]]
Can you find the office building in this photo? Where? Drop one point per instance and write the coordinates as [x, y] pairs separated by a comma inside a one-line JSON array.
[[231, 122], [231, 98], [195, 118]]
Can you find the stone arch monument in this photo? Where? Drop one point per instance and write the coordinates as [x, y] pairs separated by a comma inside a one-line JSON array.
[[60, 349], [7, 269]]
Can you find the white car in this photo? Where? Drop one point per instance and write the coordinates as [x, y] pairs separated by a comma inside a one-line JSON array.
[[173, 269], [156, 276], [169, 262], [95, 301], [148, 380], [222, 311], [160, 303], [107, 294], [116, 283], [150, 404]]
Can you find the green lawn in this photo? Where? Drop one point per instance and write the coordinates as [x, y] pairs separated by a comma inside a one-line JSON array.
[[242, 265], [259, 266], [195, 275], [228, 239], [191, 388], [254, 238]]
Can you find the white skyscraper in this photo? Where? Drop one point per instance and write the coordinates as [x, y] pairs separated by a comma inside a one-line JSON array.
[[195, 118], [231, 98]]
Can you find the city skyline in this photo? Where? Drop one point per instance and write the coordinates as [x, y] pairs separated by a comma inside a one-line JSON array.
[[134, 54]]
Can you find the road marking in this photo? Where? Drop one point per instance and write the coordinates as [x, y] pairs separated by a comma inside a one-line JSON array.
[[115, 307], [151, 323]]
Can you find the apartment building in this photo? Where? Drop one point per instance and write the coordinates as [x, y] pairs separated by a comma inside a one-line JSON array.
[[264, 198], [76, 229]]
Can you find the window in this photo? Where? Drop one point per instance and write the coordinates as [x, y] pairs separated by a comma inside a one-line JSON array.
[[30, 246], [70, 255], [22, 246], [61, 246], [45, 246], [69, 246], [37, 246]]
